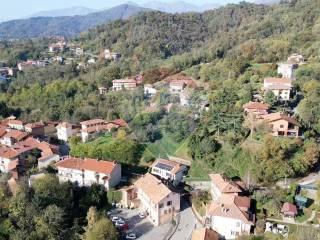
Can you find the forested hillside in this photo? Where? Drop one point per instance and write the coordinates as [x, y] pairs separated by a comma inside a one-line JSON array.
[[63, 26]]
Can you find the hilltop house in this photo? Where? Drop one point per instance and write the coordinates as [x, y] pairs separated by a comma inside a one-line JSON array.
[[282, 125], [124, 84], [289, 211], [178, 83], [204, 234], [86, 172], [149, 91], [281, 87], [169, 170], [108, 55], [287, 70], [229, 213], [103, 90], [35, 129], [12, 137], [296, 58], [257, 108], [65, 130], [157, 200]]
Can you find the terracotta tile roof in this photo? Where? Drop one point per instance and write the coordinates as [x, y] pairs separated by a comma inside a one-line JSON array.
[[126, 80], [13, 164], [279, 116], [204, 234], [225, 206], [15, 134], [8, 153], [94, 165], [93, 122], [64, 125], [175, 166], [120, 122], [289, 208], [15, 122], [98, 128], [3, 130], [256, 105], [34, 125], [277, 81], [242, 202], [224, 184], [180, 79], [152, 187]]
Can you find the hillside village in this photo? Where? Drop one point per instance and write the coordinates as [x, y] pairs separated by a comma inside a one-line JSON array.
[[106, 137]]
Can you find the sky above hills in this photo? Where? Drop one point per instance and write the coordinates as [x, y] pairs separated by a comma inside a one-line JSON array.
[[15, 9]]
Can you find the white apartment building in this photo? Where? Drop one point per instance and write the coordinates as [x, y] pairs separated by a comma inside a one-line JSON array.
[[169, 170], [281, 87], [65, 131], [86, 172], [158, 201]]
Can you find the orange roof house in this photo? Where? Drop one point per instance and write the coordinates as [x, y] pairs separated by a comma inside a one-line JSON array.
[[257, 108], [282, 125], [157, 200], [204, 234], [289, 210], [223, 185], [85, 172]]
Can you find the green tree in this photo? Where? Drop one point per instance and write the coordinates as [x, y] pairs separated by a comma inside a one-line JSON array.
[[103, 229]]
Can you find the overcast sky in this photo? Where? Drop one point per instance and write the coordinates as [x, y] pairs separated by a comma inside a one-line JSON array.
[[12, 9]]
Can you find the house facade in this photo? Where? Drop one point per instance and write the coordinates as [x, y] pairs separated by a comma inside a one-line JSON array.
[[282, 125], [65, 131], [169, 170], [257, 108], [86, 172], [157, 200], [287, 70], [281, 87], [229, 212], [124, 84]]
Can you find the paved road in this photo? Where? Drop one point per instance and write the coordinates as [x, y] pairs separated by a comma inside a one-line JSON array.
[[187, 223]]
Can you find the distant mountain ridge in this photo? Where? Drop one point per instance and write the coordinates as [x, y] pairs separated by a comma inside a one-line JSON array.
[[64, 26], [63, 12]]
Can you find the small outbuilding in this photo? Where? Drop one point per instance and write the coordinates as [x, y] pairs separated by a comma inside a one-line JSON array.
[[289, 210]]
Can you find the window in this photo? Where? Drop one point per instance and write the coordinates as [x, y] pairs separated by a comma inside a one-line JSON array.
[[165, 211], [170, 210], [161, 205], [281, 126], [169, 203]]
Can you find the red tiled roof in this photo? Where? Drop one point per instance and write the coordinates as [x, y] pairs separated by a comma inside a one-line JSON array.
[[64, 125], [256, 105], [126, 80], [15, 122], [279, 116], [93, 122], [15, 134], [275, 80], [289, 208], [34, 125], [224, 184], [94, 165], [120, 122]]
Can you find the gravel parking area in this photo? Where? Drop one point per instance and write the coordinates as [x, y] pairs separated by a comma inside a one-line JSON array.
[[143, 228]]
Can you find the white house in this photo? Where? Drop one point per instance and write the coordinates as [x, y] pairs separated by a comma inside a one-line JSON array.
[[86, 172], [124, 84], [229, 216], [8, 159], [65, 131], [229, 213], [281, 87], [287, 70], [149, 90], [108, 55], [158, 201], [169, 170]]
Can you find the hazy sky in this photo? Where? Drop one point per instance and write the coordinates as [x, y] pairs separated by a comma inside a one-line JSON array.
[[11, 9]]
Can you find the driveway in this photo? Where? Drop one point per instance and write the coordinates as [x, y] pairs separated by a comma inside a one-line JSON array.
[[143, 227], [187, 224]]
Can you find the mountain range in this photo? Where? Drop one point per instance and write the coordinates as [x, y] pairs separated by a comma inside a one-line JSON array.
[[72, 21]]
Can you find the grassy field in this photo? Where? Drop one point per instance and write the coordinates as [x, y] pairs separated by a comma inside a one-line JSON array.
[[168, 147]]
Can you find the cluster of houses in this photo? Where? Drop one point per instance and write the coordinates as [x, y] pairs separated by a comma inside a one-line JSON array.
[[88, 130], [280, 124], [19, 142]]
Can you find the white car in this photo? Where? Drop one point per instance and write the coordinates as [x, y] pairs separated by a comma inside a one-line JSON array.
[[120, 223], [131, 236], [115, 219], [142, 215]]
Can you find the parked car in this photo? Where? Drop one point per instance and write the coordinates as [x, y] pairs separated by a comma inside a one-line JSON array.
[[115, 219], [125, 227], [142, 215], [120, 223], [131, 236]]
